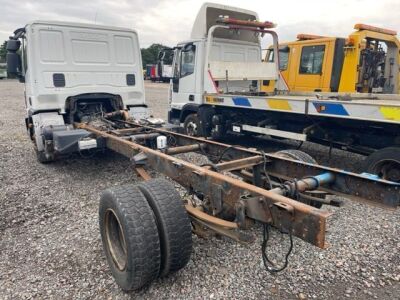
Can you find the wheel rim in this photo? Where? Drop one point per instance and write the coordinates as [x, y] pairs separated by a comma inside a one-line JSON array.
[[115, 240], [191, 128], [388, 170]]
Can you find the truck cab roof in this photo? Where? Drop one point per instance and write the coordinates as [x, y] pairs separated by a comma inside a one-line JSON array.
[[210, 12], [80, 25]]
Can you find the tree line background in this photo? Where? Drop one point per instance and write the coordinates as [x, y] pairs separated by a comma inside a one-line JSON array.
[[149, 54], [3, 52]]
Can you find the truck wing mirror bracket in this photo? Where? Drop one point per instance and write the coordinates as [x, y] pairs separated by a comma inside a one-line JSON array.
[[188, 47]]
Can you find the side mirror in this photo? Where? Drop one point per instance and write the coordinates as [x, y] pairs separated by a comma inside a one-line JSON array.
[[13, 63], [13, 45]]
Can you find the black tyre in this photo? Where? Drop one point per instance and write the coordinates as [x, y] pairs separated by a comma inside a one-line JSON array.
[[304, 157], [130, 237], [174, 228], [191, 125], [385, 163], [297, 155]]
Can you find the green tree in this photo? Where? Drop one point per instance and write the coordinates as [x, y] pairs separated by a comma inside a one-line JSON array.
[[3, 52], [149, 55]]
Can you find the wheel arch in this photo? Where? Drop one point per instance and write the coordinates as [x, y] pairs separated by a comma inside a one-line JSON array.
[[188, 109]]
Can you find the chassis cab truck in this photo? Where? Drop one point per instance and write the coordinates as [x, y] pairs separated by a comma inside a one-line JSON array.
[[222, 58], [72, 73], [219, 87], [89, 78]]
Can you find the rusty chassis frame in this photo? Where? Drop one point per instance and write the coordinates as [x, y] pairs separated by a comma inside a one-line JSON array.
[[246, 198]]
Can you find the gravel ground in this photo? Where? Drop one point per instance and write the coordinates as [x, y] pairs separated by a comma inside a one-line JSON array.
[[50, 243]]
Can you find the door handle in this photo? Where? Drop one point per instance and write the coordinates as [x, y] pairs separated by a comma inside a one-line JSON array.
[[191, 97]]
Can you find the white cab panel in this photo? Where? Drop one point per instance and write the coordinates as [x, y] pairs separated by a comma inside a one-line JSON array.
[[91, 59]]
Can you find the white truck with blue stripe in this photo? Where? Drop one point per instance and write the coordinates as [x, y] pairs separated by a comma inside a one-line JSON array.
[[217, 89]]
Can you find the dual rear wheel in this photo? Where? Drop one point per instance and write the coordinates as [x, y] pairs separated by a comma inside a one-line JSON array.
[[146, 232]]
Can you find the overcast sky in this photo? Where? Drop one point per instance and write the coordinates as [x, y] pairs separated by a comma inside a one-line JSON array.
[[169, 21]]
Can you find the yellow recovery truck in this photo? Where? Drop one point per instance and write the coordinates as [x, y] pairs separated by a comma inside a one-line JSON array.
[[365, 62]]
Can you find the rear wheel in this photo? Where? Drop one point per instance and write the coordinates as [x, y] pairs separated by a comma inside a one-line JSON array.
[[191, 125], [385, 163], [174, 228], [304, 157], [130, 237]]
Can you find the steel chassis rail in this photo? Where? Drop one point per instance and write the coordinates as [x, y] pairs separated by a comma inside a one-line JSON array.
[[246, 198]]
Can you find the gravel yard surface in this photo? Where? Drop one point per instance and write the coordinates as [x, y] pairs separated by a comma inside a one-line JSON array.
[[50, 243]]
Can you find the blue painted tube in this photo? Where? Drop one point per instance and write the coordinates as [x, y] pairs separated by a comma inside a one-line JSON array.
[[324, 178], [308, 183]]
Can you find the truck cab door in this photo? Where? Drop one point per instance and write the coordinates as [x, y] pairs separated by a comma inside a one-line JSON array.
[[183, 83], [310, 71]]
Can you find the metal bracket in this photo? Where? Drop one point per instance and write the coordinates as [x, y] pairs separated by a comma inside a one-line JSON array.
[[240, 208], [256, 208], [282, 216], [216, 198], [139, 159], [284, 206]]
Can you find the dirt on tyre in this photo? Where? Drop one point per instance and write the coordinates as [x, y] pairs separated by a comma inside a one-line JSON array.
[[385, 163], [297, 155], [191, 126], [173, 223], [130, 237]]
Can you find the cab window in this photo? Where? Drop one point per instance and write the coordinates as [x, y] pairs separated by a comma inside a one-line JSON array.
[[312, 58], [283, 58], [270, 55], [176, 62], [187, 62]]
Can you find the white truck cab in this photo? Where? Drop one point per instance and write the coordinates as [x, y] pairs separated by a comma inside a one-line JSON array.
[[74, 72], [223, 57]]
